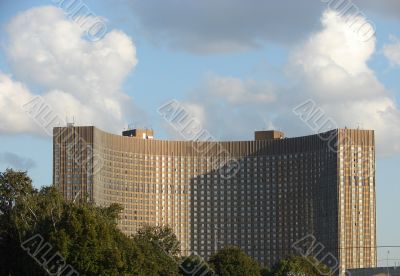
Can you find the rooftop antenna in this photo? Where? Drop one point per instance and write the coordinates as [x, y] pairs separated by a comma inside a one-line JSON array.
[[70, 124], [387, 259], [131, 126]]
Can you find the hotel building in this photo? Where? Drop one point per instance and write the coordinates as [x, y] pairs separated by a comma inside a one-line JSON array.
[[264, 195]]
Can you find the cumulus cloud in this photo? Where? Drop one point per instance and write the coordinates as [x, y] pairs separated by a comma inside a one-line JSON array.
[[15, 161], [333, 46], [238, 92], [392, 51], [48, 53], [12, 96], [225, 106], [331, 69]]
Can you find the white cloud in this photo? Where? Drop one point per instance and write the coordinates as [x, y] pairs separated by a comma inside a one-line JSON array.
[[343, 84], [12, 117], [80, 78], [392, 51], [237, 91], [226, 106], [331, 68], [337, 44]]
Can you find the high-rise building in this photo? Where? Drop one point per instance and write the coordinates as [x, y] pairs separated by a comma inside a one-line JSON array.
[[273, 196]]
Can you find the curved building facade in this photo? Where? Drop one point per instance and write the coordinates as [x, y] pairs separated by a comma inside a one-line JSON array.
[[273, 196]]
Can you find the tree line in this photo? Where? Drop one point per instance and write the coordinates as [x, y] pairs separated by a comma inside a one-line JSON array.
[[42, 234]]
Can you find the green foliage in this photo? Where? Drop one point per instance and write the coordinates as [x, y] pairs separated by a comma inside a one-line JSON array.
[[233, 261], [13, 186], [161, 249], [85, 235], [300, 266], [266, 272], [90, 241], [162, 237], [16, 195], [195, 266]]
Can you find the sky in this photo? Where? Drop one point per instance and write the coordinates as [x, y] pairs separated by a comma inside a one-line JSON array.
[[236, 66]]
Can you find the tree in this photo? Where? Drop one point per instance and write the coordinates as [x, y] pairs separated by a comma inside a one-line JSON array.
[[90, 241], [300, 266], [194, 265], [266, 272], [161, 248], [233, 261], [164, 237], [83, 235], [13, 186], [16, 197], [35, 226]]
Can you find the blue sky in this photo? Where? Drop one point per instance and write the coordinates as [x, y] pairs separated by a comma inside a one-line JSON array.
[[238, 67]]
